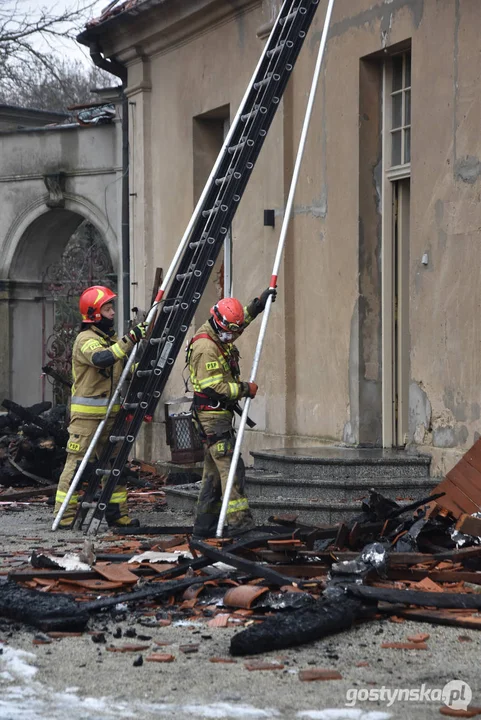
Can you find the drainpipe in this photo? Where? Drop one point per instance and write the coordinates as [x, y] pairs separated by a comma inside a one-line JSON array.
[[115, 68]]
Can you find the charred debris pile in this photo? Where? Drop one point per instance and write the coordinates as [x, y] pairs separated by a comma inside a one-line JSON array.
[[283, 585], [32, 445]]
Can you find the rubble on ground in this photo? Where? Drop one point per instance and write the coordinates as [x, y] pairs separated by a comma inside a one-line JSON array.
[[283, 585]]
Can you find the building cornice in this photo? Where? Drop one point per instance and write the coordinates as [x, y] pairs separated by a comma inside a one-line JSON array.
[[161, 28]]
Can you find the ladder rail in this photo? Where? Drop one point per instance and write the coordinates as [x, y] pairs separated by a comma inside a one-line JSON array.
[[159, 357], [277, 262], [179, 291], [186, 238], [214, 171]]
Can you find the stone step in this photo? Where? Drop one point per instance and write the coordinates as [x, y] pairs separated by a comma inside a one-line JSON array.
[[342, 463], [274, 485], [184, 497]]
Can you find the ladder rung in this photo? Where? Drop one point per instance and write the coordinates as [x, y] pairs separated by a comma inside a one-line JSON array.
[[277, 49], [101, 472], [250, 114], [117, 438], [222, 180], [257, 108], [212, 211], [291, 16], [130, 406], [183, 276], [263, 82], [234, 148], [143, 373]]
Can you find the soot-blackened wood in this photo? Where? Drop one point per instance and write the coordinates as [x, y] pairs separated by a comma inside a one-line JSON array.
[[153, 591], [247, 566], [183, 530], [48, 490], [414, 505], [296, 628], [47, 612], [27, 416], [155, 530], [456, 601]]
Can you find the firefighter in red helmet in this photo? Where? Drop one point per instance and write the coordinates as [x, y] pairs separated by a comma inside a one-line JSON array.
[[213, 361], [97, 363]]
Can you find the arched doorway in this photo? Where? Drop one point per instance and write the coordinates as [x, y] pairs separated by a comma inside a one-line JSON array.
[[84, 262], [57, 252]]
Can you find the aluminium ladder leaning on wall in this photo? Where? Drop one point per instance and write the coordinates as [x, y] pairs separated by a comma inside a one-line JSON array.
[[190, 270]]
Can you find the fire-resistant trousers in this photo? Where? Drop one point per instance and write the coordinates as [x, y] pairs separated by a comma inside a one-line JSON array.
[[81, 432], [217, 461]]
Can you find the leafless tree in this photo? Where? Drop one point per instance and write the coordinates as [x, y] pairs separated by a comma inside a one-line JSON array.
[[32, 71], [35, 86]]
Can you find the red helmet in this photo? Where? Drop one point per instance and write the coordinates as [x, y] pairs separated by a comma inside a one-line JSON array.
[[91, 300], [228, 314]]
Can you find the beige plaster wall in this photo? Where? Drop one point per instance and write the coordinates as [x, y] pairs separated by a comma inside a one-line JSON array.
[[320, 375]]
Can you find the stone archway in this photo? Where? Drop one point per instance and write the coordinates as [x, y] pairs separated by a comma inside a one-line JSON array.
[[28, 312], [85, 261]]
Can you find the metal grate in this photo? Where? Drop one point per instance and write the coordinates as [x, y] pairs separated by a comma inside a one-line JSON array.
[[183, 438]]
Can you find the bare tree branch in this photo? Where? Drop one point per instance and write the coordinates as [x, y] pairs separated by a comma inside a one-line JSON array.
[[32, 71]]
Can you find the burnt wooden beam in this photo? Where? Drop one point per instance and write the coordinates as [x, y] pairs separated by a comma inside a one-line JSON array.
[[29, 417], [26, 575], [154, 530], [154, 591], [416, 597], [44, 611], [296, 628], [435, 617], [414, 505], [296, 570], [247, 566], [48, 490], [184, 530], [447, 576]]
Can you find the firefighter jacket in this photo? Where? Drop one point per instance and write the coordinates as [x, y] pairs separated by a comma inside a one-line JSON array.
[[97, 364], [214, 369]]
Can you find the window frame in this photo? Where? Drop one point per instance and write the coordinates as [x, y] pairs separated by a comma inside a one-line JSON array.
[[401, 170], [390, 175]]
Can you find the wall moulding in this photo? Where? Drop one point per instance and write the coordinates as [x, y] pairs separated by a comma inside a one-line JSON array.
[[176, 24]]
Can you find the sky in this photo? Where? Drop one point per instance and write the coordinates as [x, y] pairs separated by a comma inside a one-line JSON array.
[[64, 47]]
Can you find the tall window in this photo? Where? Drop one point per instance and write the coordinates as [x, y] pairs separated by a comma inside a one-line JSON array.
[[396, 211], [401, 109]]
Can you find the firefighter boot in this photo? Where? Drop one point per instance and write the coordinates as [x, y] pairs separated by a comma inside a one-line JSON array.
[[239, 523], [68, 473], [116, 519], [205, 526]]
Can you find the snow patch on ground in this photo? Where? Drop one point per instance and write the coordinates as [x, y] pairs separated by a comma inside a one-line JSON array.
[[23, 697]]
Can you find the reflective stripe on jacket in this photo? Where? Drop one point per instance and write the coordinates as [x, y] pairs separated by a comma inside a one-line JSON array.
[[93, 386], [213, 365]]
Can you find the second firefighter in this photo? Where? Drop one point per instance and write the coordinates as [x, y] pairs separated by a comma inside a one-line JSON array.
[[213, 362]]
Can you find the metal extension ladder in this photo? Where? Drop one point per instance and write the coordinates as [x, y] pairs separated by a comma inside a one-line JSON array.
[[220, 200]]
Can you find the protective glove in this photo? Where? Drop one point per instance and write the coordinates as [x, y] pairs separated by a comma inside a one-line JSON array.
[[258, 304], [250, 389], [137, 333]]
